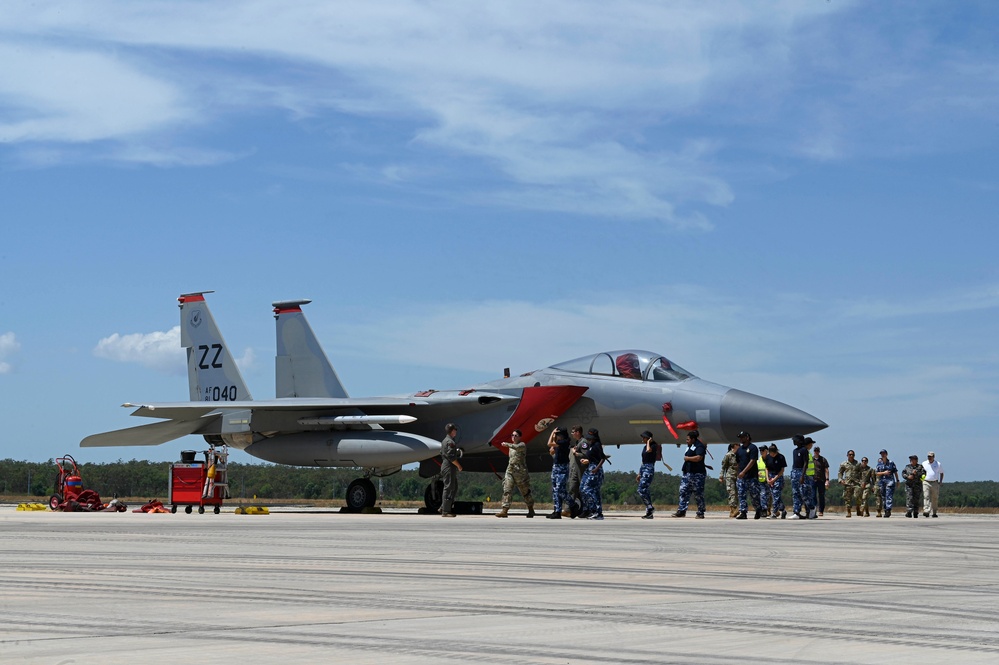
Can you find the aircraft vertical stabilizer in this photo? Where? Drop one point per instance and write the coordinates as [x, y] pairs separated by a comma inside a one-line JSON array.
[[301, 366], [211, 370]]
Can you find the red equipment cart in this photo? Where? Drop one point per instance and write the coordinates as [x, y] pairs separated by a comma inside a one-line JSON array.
[[199, 484], [68, 484]]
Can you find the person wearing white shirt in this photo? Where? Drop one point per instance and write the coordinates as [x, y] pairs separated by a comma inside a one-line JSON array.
[[931, 483]]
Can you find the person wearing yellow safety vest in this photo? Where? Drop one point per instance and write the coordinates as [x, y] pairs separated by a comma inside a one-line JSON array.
[[761, 467], [811, 474], [801, 488]]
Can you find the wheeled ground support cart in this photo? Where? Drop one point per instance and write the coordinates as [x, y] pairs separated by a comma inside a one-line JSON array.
[[200, 484], [67, 483]]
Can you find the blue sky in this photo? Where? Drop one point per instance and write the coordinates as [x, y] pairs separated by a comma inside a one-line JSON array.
[[796, 198]]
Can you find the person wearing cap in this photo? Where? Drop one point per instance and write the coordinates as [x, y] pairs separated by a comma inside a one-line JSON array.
[[820, 480], [849, 478], [558, 447], [868, 489], [913, 475], [729, 475], [747, 483], [575, 472], [887, 474], [516, 474], [801, 490], [450, 466], [931, 483], [762, 478], [593, 474], [650, 453], [694, 474], [776, 463]]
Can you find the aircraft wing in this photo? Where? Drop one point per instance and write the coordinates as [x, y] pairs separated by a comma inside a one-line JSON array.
[[147, 435], [292, 414], [188, 410]]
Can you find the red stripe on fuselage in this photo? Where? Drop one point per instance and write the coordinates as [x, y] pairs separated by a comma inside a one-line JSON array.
[[536, 404]]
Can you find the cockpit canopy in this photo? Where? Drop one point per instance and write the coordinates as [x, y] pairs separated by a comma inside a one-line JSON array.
[[629, 364]]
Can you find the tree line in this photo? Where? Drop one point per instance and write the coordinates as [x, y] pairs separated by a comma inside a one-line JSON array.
[[148, 480]]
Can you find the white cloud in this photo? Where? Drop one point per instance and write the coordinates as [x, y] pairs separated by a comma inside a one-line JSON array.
[[8, 347], [58, 94], [556, 97], [157, 350], [160, 351]]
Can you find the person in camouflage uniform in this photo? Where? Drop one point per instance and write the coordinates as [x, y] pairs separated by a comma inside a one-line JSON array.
[[849, 477], [868, 489], [575, 497], [729, 475], [516, 474], [913, 474]]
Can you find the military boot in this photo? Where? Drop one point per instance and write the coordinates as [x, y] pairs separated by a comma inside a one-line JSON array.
[[733, 511], [503, 512], [867, 512], [530, 511], [848, 512], [879, 512], [741, 515], [679, 513], [556, 515]]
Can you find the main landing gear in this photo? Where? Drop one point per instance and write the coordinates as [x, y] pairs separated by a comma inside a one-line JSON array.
[[433, 496], [361, 494]]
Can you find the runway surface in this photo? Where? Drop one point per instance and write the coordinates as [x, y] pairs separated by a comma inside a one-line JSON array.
[[405, 588]]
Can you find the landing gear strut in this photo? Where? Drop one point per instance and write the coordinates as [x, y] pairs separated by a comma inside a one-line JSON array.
[[360, 494]]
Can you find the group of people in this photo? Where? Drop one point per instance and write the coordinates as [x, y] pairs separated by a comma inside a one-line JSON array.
[[751, 474]]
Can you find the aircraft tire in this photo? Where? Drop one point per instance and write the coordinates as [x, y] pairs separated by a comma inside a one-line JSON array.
[[433, 495], [361, 494]]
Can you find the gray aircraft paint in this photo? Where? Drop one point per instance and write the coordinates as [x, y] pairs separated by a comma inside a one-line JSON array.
[[299, 427], [301, 367]]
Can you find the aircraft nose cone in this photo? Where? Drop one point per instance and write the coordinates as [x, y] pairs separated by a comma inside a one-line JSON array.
[[765, 419]]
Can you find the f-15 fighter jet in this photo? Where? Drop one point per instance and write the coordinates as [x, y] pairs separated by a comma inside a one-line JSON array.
[[313, 422]]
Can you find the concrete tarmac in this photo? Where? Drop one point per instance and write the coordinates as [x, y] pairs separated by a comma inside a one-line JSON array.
[[406, 588]]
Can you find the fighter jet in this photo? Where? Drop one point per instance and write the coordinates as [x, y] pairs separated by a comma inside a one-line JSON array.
[[313, 422]]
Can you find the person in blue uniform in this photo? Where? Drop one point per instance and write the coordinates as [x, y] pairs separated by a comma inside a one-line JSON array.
[[650, 453], [694, 472], [558, 446], [801, 487], [776, 464], [747, 482], [887, 474], [592, 465]]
